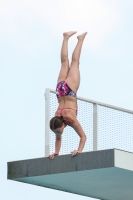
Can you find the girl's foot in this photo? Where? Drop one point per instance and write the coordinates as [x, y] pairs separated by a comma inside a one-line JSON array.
[[82, 36], [69, 34]]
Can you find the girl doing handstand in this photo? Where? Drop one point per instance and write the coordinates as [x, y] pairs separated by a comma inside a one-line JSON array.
[[67, 86]]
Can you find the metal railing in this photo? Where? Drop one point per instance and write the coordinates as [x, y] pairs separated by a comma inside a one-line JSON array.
[[95, 117]]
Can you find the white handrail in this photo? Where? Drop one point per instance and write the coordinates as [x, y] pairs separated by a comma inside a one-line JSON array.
[[100, 103], [95, 117]]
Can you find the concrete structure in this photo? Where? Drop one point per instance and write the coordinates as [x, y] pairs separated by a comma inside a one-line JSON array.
[[104, 174]]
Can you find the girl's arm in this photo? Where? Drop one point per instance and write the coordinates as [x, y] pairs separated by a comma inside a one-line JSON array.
[[57, 146], [77, 127]]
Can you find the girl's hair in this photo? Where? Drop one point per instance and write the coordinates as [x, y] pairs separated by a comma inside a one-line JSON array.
[[56, 122]]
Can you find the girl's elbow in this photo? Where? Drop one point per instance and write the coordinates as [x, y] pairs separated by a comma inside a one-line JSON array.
[[85, 137]]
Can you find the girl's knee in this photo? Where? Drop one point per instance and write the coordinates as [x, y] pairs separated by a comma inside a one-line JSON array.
[[75, 63]]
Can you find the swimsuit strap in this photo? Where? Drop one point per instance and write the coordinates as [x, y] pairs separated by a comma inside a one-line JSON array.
[[66, 109], [61, 109]]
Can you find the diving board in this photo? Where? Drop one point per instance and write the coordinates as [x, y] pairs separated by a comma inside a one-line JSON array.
[[104, 174]]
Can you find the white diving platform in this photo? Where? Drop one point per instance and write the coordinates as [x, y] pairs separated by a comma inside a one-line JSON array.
[[104, 174]]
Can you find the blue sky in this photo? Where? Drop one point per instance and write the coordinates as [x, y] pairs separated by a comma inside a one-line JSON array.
[[30, 38]]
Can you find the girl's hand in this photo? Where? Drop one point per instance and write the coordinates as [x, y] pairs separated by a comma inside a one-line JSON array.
[[51, 156], [75, 152]]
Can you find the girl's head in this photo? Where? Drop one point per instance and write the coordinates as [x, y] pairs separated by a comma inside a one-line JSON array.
[[57, 125]]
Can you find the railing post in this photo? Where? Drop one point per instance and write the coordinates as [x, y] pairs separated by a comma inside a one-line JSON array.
[[47, 118], [95, 126]]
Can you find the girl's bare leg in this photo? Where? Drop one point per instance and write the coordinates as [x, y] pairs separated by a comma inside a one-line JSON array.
[[73, 78], [64, 57]]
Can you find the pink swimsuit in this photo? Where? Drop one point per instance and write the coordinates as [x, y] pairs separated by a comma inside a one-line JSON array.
[[63, 89], [61, 109]]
